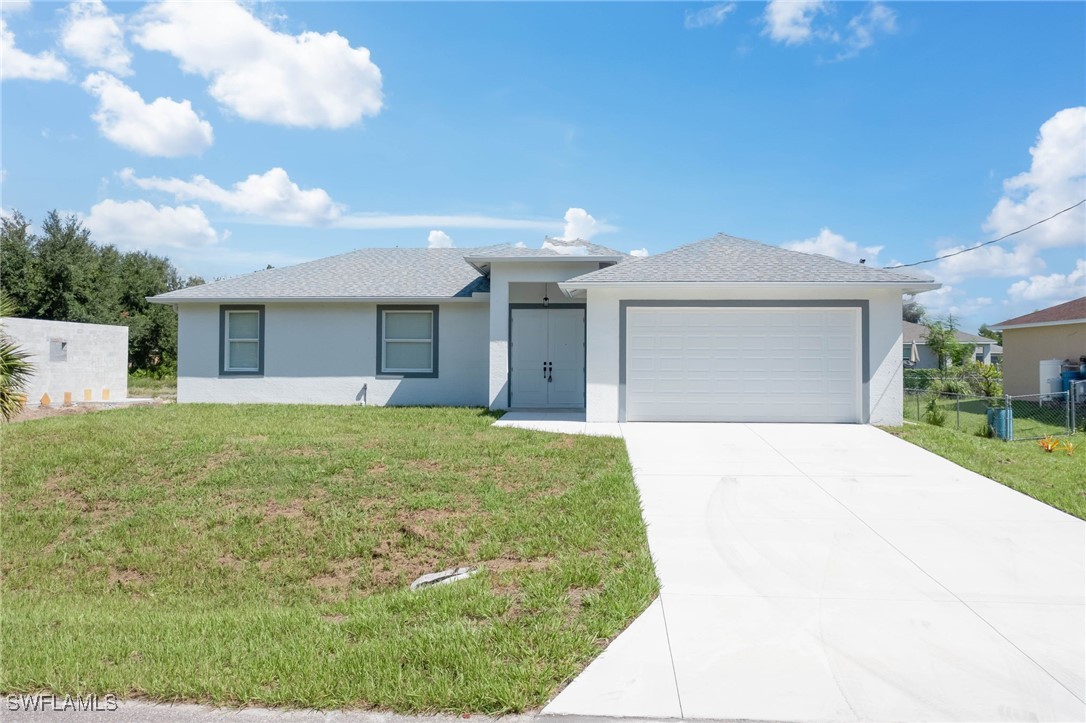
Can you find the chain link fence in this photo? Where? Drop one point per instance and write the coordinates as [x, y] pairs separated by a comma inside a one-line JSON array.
[[1027, 416]]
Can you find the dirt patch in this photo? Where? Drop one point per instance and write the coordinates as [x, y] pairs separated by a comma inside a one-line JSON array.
[[230, 561], [334, 618], [378, 468], [220, 458], [291, 511], [30, 413], [125, 577], [566, 441], [335, 584], [425, 465], [306, 451], [506, 564]]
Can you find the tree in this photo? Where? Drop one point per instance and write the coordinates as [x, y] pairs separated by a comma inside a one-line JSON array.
[[942, 339], [912, 311], [989, 333], [63, 275], [16, 261], [66, 267]]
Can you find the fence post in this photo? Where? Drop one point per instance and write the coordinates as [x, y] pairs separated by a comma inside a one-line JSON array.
[[958, 411], [1067, 410], [917, 407], [1010, 412]]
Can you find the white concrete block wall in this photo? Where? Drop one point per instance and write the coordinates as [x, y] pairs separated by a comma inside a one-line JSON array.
[[602, 389], [96, 359], [325, 353]]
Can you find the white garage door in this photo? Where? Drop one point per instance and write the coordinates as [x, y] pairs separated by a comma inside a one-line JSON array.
[[743, 364]]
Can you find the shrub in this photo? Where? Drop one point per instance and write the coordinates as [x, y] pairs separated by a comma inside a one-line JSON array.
[[15, 370], [933, 413]]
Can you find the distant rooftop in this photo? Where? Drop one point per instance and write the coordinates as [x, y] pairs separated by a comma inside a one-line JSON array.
[[912, 332], [1070, 312]]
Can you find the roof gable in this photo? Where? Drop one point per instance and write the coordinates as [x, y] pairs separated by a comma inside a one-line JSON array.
[[728, 259]]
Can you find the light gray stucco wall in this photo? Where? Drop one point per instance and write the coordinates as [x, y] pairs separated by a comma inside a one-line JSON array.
[[325, 353], [884, 397], [96, 359]]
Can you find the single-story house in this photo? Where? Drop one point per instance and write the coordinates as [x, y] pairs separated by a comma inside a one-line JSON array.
[[725, 329], [88, 362], [917, 355], [1058, 332]]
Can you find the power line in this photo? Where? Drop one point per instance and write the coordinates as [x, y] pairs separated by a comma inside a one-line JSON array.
[[986, 243]]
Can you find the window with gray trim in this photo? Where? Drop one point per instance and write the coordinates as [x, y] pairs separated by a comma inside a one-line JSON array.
[[241, 340], [407, 340]]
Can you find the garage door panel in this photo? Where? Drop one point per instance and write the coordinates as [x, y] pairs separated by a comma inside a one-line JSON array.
[[742, 364]]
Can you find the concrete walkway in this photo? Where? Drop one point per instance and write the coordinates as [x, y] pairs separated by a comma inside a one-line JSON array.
[[835, 572]]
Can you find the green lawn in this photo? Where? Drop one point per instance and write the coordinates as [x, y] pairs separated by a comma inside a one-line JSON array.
[[259, 554], [1055, 478], [144, 386], [1032, 419]]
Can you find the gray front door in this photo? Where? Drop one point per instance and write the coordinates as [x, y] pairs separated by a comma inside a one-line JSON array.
[[547, 358]]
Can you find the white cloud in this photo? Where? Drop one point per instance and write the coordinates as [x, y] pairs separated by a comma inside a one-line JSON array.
[[579, 225], [163, 127], [639, 253], [94, 36], [9, 7], [795, 22], [142, 225], [274, 198], [989, 261], [309, 80], [1055, 180], [1053, 288], [15, 63], [790, 21], [271, 196], [833, 244], [439, 240], [951, 300], [710, 16], [863, 28]]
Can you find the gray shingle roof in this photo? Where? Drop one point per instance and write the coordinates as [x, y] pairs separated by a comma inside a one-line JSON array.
[[911, 331], [727, 259], [365, 273]]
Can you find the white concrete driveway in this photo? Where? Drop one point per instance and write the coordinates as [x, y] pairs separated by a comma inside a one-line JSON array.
[[835, 572]]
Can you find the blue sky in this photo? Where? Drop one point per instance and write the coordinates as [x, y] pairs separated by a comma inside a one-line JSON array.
[[232, 136]]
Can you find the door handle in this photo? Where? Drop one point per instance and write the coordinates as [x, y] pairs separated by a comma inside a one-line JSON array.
[[550, 371], [544, 370]]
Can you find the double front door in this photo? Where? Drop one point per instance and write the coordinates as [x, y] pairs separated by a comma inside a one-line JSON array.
[[547, 357]]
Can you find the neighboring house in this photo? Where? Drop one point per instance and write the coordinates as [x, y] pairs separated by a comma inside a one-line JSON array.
[[88, 361], [1058, 332], [917, 355], [724, 329]]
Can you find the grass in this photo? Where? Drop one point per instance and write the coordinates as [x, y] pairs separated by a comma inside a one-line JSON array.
[[141, 385], [259, 555], [970, 414], [1055, 478]]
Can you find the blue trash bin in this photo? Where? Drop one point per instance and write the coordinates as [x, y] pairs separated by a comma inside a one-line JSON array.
[[1001, 421]]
